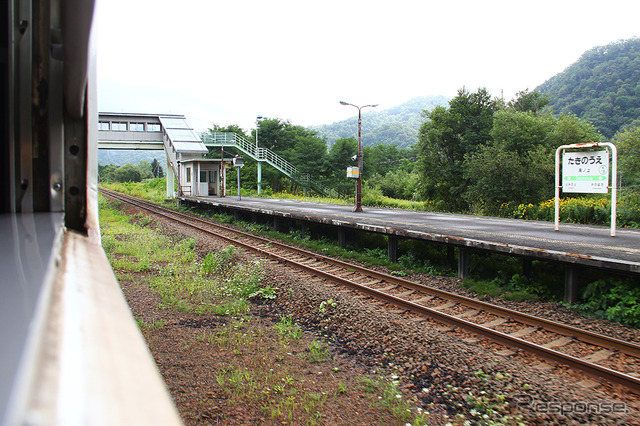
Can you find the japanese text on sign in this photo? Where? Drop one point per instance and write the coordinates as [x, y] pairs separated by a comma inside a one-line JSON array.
[[585, 172]]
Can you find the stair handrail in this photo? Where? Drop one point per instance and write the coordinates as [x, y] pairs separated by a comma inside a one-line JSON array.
[[267, 155], [257, 153]]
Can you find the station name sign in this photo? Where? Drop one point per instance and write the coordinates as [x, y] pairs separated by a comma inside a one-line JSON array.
[[585, 172]]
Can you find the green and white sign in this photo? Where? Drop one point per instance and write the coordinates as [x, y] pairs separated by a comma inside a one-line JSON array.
[[585, 172]]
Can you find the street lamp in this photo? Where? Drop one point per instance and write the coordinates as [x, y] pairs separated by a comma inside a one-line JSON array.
[[358, 207], [238, 163], [257, 155], [258, 118]]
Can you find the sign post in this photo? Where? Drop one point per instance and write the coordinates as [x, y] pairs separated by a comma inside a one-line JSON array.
[[587, 172], [238, 163]]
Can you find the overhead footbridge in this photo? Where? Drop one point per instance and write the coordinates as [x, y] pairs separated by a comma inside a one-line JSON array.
[[168, 132], [183, 146]]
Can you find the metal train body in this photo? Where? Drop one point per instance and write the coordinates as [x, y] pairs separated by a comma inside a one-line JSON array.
[[71, 352]]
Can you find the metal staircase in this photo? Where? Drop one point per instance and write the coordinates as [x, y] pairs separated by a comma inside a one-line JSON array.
[[222, 139]]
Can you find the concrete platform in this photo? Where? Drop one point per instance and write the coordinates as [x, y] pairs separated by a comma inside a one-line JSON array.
[[580, 245]]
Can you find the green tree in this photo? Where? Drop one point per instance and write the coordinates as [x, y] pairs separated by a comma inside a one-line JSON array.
[[127, 173], [146, 170], [338, 159], [570, 129], [526, 101], [446, 138], [497, 175], [106, 172], [628, 145], [381, 159], [275, 134], [301, 147], [520, 131], [231, 128], [399, 183], [309, 156], [156, 168], [518, 166]]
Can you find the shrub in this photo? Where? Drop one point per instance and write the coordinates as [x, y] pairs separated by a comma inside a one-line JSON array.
[[594, 210], [614, 301]]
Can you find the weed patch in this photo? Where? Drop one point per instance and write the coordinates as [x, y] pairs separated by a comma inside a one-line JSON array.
[[287, 329], [319, 351], [183, 281]]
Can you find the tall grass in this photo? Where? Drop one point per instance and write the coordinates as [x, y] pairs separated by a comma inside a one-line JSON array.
[[183, 280], [154, 190]]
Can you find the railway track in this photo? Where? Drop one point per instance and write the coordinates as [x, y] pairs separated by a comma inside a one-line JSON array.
[[612, 360]]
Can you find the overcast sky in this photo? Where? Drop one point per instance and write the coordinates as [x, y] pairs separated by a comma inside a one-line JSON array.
[[226, 62]]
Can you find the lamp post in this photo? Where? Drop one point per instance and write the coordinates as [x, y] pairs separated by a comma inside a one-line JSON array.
[[238, 162], [358, 207], [257, 156], [258, 118]]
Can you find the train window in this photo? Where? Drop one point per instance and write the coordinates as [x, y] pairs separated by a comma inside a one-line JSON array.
[[136, 127], [152, 127], [103, 125], [119, 127]]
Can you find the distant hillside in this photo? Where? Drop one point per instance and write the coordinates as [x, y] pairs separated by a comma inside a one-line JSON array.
[[119, 157], [396, 125], [602, 87]]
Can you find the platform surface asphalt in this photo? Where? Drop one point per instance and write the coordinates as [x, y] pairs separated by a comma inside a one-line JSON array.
[[573, 239]]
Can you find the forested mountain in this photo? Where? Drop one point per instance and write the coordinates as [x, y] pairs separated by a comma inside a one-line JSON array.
[[120, 157], [602, 87], [397, 125]]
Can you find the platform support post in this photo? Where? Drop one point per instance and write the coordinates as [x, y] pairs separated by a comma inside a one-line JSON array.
[[527, 267], [463, 263], [276, 224], [451, 255], [341, 238], [303, 230], [392, 248], [571, 275], [259, 176]]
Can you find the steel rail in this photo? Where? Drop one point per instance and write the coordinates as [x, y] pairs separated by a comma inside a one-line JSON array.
[[592, 369], [612, 343]]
